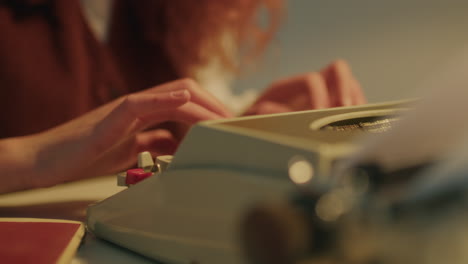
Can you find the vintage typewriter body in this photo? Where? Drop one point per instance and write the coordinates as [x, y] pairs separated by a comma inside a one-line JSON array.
[[310, 187], [193, 211]]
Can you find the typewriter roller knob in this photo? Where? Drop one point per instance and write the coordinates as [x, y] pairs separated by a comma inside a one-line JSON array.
[[275, 234]]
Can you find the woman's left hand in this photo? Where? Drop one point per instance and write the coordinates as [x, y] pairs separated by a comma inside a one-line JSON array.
[[333, 86]]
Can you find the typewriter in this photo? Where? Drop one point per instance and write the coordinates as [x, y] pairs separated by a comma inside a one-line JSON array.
[[193, 210], [379, 183]]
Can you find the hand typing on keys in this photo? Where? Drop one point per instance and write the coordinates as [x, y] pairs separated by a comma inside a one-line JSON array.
[[105, 140]]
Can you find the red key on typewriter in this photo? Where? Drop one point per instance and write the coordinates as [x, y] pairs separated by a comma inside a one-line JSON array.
[[136, 175]]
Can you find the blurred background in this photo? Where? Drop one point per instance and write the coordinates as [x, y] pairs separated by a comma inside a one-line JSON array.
[[393, 46]]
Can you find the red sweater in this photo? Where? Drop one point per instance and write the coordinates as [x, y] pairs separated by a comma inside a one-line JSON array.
[[52, 68]]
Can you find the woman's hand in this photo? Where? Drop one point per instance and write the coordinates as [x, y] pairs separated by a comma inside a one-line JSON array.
[[104, 140], [333, 86]]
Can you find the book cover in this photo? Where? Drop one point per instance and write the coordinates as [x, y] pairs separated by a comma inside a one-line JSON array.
[[39, 241]]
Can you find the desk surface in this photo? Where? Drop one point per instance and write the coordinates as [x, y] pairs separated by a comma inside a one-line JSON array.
[[69, 201]]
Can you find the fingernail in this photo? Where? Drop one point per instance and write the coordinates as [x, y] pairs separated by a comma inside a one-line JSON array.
[[179, 94]]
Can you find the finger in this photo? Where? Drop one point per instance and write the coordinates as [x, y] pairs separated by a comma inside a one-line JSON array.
[[198, 95], [158, 142], [177, 129], [136, 114], [189, 113], [167, 97], [128, 117], [317, 91], [122, 141], [110, 161], [268, 107], [303, 92], [358, 94], [283, 90], [339, 80], [124, 155], [118, 158]]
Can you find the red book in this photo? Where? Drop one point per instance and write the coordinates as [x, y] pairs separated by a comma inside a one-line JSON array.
[[39, 241]]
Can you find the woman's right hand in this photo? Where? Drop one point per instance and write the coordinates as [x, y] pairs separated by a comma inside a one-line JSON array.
[[104, 140]]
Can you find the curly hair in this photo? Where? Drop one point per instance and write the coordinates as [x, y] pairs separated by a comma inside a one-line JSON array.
[[233, 32]]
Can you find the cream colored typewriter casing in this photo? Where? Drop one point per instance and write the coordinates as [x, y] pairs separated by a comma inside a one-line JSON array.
[[191, 213]]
